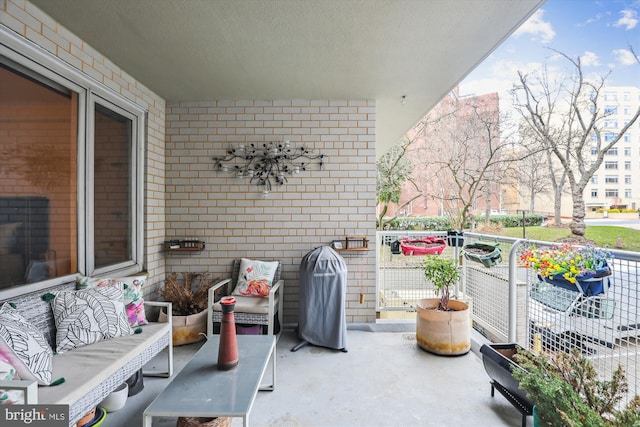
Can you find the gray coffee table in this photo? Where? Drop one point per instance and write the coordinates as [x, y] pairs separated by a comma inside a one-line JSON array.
[[201, 390]]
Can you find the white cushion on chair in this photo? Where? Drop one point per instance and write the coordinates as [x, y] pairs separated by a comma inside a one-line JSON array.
[[257, 305]]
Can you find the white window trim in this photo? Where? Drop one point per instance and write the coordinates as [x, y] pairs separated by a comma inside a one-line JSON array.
[[27, 54]]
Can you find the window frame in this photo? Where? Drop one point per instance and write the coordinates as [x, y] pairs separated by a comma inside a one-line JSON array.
[[32, 58], [136, 180]]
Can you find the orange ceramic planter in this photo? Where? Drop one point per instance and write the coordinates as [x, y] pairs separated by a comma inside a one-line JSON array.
[[446, 333]]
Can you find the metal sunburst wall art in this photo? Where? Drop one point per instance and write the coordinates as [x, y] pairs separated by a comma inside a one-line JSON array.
[[266, 164]]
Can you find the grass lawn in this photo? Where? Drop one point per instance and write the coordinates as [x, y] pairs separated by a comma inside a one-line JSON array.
[[604, 236]]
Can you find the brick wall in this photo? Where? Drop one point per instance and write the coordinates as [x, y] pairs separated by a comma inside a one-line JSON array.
[[312, 209]]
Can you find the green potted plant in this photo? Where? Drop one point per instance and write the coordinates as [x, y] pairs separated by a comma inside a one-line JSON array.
[[442, 324], [566, 391]]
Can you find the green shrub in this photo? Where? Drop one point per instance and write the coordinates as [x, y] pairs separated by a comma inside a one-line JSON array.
[[426, 223], [441, 223], [567, 392]]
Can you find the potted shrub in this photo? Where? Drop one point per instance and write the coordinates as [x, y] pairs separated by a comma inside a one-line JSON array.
[[187, 293], [566, 391], [442, 324]]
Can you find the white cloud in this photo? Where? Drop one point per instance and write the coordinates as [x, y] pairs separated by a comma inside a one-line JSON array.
[[537, 28], [501, 78], [596, 18], [589, 59], [624, 56], [629, 19]]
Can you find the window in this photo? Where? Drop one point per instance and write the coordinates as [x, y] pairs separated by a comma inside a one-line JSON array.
[[594, 151], [627, 151], [608, 137], [627, 179], [611, 193], [610, 96], [612, 151], [626, 138], [611, 124], [594, 179], [112, 187], [594, 193], [627, 193], [610, 109], [611, 165], [611, 179], [627, 166], [72, 175]]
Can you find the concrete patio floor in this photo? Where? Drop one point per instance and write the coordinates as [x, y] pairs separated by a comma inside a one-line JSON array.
[[384, 379]]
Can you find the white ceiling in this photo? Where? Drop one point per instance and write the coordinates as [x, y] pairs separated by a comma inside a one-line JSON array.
[[298, 49]]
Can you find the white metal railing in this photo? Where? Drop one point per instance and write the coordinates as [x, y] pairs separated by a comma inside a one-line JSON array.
[[509, 305]]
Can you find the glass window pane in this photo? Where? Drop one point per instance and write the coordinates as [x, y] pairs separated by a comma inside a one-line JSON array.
[[38, 179], [112, 188]]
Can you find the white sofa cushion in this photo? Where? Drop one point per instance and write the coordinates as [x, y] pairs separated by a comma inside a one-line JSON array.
[[87, 367], [254, 305]]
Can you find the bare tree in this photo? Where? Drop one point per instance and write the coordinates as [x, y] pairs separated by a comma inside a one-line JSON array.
[[538, 173], [461, 154], [534, 179], [568, 119], [393, 170]]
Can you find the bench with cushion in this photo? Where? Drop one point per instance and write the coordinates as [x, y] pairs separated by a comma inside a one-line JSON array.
[[90, 369]]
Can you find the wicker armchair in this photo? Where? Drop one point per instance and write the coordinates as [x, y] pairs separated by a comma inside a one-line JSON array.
[[263, 311]]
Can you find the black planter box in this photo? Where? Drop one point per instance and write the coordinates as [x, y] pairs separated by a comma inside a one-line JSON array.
[[455, 238], [498, 364]]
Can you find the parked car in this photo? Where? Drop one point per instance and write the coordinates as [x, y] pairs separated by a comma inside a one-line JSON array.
[[562, 319]]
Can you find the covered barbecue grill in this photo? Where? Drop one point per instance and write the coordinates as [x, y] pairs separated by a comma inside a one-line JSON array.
[[323, 290]]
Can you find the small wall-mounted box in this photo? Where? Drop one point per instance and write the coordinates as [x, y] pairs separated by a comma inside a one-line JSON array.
[[184, 245]]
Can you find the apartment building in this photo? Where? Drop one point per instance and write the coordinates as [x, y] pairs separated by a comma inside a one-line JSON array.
[[616, 184]]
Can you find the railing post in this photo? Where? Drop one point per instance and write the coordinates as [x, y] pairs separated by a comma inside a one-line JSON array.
[[513, 289]]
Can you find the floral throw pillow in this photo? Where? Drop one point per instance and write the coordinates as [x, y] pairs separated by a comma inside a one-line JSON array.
[[8, 373], [133, 299], [88, 316], [255, 277], [132, 294], [24, 347]]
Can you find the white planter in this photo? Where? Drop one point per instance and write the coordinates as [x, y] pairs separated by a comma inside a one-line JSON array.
[[116, 400]]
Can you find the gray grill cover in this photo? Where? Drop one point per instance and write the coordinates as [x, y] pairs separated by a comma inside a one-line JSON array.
[[323, 292]]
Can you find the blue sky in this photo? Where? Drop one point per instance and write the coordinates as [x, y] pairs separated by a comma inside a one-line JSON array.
[[600, 32]]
